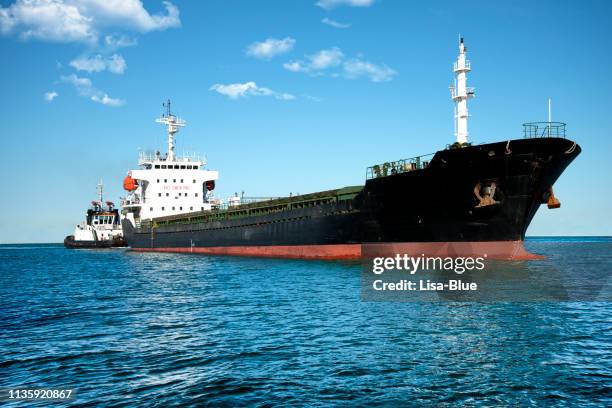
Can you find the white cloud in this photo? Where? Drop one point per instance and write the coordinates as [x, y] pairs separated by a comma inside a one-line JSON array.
[[78, 82], [330, 4], [81, 20], [115, 64], [104, 99], [294, 66], [50, 96], [313, 98], [334, 23], [114, 42], [326, 58], [85, 88], [356, 68], [270, 48], [238, 90], [326, 61], [320, 61]]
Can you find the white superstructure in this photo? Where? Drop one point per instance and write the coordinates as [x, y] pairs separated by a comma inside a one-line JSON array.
[[101, 224], [460, 93], [168, 184]]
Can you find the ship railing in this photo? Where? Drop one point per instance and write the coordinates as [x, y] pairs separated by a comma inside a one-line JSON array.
[[533, 130], [243, 200], [399, 166], [249, 200], [127, 202], [467, 65], [470, 91], [150, 157]]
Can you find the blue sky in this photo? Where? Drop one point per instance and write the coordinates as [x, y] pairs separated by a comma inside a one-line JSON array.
[[341, 85]]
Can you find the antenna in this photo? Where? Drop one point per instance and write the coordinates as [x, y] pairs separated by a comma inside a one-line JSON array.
[[549, 110], [173, 123], [549, 115], [100, 188]]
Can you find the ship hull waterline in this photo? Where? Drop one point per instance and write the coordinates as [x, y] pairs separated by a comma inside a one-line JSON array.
[[494, 250], [71, 243]]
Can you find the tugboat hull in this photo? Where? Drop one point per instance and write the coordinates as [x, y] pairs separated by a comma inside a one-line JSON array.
[[70, 242]]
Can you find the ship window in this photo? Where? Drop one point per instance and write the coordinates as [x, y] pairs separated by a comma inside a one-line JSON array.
[[172, 208], [162, 208], [174, 180], [159, 194], [196, 194], [167, 194], [181, 180], [195, 167], [181, 208], [185, 194], [179, 194], [194, 180], [158, 180], [188, 167], [157, 166], [151, 209], [202, 208], [190, 208], [163, 166], [165, 180], [183, 167]]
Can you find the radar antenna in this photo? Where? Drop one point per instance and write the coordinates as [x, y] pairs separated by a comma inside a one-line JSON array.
[[173, 123]]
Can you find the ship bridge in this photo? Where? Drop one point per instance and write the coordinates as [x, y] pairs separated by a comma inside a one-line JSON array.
[[169, 184]]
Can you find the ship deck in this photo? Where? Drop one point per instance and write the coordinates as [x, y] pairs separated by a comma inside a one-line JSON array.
[[259, 207]]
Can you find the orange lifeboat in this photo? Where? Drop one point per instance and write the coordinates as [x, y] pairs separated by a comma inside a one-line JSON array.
[[129, 183]]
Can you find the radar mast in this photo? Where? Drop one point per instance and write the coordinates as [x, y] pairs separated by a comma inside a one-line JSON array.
[[460, 93], [173, 123]]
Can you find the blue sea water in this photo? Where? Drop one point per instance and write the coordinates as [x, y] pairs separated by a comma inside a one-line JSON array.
[[133, 329]]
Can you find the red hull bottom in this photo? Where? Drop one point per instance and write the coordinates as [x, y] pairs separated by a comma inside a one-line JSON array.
[[507, 250]]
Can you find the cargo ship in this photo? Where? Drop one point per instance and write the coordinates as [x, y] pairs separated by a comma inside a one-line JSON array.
[[464, 200], [101, 228]]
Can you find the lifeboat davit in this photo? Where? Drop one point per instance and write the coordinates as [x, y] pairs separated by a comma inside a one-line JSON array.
[[129, 183]]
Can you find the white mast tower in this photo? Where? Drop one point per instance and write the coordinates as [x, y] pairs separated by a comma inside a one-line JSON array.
[[460, 93], [173, 124]]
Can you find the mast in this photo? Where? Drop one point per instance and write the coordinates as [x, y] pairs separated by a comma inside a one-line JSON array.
[[100, 188], [173, 123], [460, 93], [549, 115]]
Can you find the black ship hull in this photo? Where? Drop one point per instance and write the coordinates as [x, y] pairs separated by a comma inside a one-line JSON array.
[[469, 199], [70, 242]]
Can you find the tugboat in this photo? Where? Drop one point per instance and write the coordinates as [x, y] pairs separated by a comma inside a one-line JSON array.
[[464, 200], [101, 228]]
